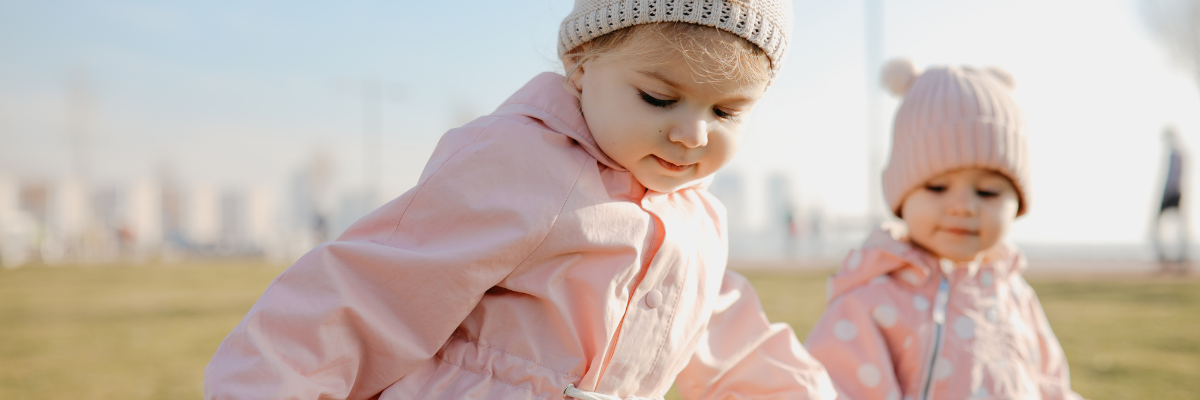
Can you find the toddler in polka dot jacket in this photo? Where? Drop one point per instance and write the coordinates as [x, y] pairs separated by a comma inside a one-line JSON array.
[[936, 307]]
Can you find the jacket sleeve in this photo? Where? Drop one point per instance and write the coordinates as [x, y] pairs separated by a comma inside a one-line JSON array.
[[744, 356], [850, 345], [353, 316], [1054, 378]]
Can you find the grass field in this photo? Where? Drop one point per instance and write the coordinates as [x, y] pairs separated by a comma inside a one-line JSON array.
[[147, 332]]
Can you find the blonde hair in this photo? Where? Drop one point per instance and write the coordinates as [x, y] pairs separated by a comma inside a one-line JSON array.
[[713, 54]]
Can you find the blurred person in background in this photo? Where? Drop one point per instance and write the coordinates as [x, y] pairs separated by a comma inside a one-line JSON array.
[[937, 307], [565, 245], [1171, 207]]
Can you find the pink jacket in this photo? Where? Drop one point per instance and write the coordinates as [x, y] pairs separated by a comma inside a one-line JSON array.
[[524, 260], [897, 323]]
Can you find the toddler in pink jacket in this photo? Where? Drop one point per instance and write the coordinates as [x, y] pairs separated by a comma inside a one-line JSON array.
[[936, 308], [564, 246]]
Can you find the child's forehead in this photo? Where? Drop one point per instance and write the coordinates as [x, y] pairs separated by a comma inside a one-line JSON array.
[[681, 77], [971, 174], [712, 54]]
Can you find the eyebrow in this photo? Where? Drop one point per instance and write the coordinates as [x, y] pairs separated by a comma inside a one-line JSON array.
[[676, 86], [656, 75]]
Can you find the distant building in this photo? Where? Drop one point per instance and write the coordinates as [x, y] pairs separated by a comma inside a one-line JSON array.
[[68, 217], [730, 188], [18, 229], [201, 217], [143, 216], [262, 218]]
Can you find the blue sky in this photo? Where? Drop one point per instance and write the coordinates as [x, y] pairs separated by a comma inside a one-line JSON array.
[[242, 93]]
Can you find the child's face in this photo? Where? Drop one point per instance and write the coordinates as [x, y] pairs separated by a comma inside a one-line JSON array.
[[961, 214], [659, 121]]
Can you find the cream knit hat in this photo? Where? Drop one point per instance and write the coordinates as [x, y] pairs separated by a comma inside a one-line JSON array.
[[952, 118], [766, 23]]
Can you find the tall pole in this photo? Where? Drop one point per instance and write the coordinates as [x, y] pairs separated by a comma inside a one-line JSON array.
[[78, 113], [75, 197], [876, 131]]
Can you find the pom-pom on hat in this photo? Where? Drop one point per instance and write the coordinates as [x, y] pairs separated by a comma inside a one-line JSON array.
[[765, 23], [952, 118]]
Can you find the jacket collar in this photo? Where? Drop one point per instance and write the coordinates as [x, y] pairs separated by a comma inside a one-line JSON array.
[[888, 251], [547, 99]]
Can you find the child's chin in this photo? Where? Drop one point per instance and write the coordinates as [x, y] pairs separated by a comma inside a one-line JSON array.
[[661, 184], [956, 252], [959, 255], [663, 187]]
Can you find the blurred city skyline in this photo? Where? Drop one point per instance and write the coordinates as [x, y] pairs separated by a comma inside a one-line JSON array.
[[242, 97]]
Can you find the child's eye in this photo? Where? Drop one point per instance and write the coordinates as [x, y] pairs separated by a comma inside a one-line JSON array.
[[722, 114], [986, 193], [935, 188], [654, 101]]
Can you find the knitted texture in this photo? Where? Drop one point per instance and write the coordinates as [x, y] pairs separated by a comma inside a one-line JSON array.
[[953, 118], [766, 23]]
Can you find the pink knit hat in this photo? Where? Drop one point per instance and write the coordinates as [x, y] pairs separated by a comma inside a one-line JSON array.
[[953, 118]]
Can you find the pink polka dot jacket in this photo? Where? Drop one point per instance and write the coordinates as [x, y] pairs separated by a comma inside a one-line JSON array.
[[902, 324], [524, 261]]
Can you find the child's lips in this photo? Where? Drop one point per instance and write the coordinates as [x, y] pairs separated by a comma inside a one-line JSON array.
[[670, 166], [960, 231]]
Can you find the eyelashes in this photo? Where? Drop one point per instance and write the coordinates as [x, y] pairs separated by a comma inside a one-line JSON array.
[[654, 101], [980, 193], [664, 103]]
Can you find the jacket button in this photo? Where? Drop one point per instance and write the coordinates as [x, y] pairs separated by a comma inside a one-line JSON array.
[[654, 299]]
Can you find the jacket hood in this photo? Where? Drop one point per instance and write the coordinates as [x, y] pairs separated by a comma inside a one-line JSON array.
[[546, 98], [888, 252]]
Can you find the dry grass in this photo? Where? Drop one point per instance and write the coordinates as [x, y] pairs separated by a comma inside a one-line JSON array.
[[147, 332], [118, 333]]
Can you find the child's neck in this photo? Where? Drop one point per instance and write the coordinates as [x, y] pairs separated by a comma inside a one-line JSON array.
[[948, 266]]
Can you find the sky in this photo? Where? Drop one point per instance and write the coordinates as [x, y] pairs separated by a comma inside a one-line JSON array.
[[243, 93]]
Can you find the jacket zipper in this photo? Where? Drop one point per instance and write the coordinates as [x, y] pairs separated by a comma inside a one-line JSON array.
[[939, 320]]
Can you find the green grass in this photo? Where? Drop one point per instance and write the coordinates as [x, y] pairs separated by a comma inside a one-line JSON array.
[[1126, 339], [147, 332]]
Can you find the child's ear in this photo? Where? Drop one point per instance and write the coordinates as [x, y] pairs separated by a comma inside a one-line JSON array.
[[574, 70]]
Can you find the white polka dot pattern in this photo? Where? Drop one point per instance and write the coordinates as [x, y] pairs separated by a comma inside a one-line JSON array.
[[991, 337], [942, 369], [946, 265], [884, 315], [868, 375], [920, 303], [964, 327], [845, 330]]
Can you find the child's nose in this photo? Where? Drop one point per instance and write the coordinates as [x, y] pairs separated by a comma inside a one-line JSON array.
[[962, 202], [690, 133]]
